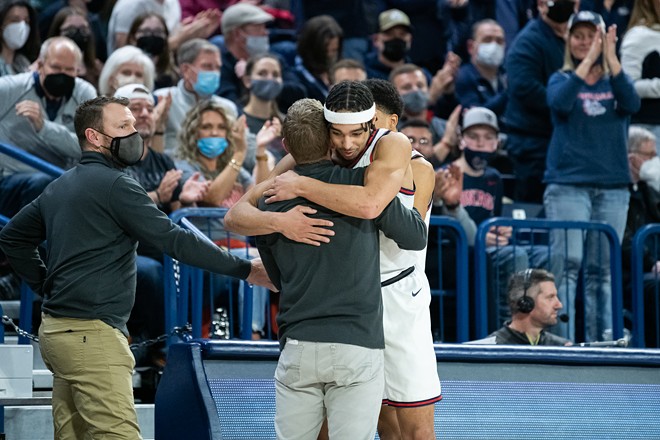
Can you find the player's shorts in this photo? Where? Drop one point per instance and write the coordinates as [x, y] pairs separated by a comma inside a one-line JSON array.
[[411, 372]]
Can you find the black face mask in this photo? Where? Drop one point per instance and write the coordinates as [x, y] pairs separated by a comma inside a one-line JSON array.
[[126, 150], [151, 44], [477, 160], [395, 49], [59, 84], [560, 11], [79, 37]]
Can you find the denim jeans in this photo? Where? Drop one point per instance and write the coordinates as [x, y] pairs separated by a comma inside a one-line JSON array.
[[584, 203], [19, 189]]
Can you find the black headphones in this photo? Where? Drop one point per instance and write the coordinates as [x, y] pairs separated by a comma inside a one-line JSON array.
[[525, 304]]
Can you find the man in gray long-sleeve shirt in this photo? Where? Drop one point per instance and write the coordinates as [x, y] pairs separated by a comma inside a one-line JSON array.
[[91, 218], [331, 316]]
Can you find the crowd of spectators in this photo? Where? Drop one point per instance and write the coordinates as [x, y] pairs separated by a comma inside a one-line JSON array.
[[210, 81]]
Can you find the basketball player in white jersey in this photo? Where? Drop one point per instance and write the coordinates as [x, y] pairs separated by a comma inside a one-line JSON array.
[[411, 377]]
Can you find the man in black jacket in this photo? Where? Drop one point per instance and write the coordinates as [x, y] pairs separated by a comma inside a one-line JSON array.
[[92, 218], [331, 312]]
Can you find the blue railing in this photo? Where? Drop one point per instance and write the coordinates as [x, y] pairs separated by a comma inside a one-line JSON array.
[[534, 226], [187, 285], [462, 281], [638, 301], [31, 160]]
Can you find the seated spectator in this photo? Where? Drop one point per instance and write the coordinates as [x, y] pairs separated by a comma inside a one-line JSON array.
[[213, 143], [591, 100], [73, 23], [481, 82], [263, 81], [481, 196], [19, 40], [124, 12], [161, 180], [347, 70], [94, 10], [534, 308], [421, 138], [245, 35], [149, 33], [199, 64], [126, 65], [391, 44], [643, 209], [412, 85], [319, 47], [37, 110]]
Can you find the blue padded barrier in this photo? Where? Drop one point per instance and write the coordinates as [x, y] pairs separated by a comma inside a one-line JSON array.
[[637, 272], [533, 227], [461, 293], [31, 160], [489, 392], [184, 285]]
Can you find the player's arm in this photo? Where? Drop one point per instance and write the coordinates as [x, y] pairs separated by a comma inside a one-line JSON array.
[[424, 177], [246, 219], [382, 182]]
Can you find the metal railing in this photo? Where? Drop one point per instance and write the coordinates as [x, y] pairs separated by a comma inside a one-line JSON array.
[[445, 225], [637, 278], [533, 227]]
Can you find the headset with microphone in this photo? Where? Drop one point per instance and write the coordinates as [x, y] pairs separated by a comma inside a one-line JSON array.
[[525, 303]]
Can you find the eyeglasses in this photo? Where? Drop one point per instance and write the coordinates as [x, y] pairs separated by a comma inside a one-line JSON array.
[[420, 141]]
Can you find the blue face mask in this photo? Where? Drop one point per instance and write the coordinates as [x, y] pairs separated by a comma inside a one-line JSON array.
[[212, 147], [207, 82]]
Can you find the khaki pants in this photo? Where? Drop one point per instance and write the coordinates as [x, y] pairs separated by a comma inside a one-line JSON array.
[[92, 369]]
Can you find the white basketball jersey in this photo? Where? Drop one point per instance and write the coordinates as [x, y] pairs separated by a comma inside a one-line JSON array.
[[394, 260]]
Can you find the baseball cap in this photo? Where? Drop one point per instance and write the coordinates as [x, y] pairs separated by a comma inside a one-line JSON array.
[[393, 17], [134, 91], [243, 13], [586, 17], [480, 116]]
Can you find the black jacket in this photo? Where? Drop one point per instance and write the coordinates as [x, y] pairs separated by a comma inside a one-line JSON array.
[[92, 218]]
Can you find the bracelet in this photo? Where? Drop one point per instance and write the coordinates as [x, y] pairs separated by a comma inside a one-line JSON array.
[[261, 156], [235, 165]]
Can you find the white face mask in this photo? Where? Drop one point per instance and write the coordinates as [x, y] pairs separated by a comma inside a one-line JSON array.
[[649, 172], [490, 54], [16, 34], [123, 80]]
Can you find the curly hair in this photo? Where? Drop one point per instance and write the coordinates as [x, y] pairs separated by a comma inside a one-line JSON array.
[[189, 134]]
